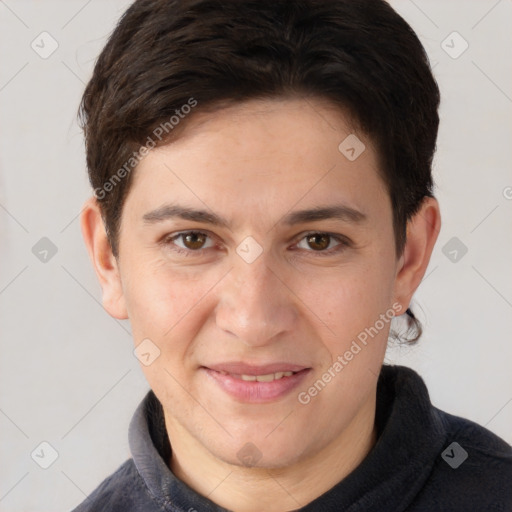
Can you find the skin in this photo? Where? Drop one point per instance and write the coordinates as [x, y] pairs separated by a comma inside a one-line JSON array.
[[252, 164]]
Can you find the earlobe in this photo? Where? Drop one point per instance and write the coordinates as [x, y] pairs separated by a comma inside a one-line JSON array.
[[104, 263], [422, 232]]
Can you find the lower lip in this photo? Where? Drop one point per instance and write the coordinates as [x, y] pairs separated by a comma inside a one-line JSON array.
[[254, 391]]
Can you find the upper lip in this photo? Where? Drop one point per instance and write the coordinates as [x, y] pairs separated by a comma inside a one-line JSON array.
[[239, 368]]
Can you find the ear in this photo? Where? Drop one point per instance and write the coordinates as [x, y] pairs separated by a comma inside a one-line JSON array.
[[103, 260], [422, 231]]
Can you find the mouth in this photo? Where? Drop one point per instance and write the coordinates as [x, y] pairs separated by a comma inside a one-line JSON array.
[[268, 377], [256, 384]]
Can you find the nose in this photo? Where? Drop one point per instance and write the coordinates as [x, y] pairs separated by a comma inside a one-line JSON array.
[[255, 303]]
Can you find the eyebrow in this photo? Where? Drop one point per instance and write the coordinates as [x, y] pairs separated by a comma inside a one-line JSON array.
[[338, 211]]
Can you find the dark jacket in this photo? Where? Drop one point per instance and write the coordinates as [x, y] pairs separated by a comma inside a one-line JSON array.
[[424, 460]]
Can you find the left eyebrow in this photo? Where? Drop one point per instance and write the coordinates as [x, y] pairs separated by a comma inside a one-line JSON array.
[[341, 212]]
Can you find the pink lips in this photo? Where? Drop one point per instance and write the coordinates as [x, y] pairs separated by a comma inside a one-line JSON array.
[[247, 369], [228, 377]]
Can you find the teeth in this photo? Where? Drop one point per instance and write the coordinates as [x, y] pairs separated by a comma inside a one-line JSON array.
[[269, 377]]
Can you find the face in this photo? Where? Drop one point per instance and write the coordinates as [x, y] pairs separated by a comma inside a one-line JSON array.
[[257, 304]]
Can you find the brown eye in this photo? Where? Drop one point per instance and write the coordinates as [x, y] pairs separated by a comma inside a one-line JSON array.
[[189, 243], [194, 240], [324, 244], [318, 241]]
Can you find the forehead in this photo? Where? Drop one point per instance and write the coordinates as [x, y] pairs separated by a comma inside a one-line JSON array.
[[264, 156]]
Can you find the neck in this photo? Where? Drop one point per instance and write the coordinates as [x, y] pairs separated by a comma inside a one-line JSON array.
[[252, 489]]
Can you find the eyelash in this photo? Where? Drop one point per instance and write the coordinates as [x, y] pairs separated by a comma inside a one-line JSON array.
[[343, 243]]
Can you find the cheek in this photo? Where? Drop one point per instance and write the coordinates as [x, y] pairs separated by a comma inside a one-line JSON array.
[[347, 299], [169, 309], [352, 310], [164, 305]]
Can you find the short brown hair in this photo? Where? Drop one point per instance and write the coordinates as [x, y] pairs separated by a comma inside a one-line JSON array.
[[166, 54]]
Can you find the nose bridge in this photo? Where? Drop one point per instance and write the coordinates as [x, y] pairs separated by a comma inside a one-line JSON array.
[[255, 305]]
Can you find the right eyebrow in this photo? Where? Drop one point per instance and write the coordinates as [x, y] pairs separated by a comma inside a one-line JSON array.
[[170, 211]]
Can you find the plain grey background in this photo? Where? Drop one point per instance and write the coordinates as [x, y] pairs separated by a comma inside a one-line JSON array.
[[68, 376]]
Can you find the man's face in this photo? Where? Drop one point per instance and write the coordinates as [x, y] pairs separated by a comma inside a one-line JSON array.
[[271, 288]]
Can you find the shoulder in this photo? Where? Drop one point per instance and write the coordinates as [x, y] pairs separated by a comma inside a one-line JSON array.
[[473, 471], [123, 491], [483, 449]]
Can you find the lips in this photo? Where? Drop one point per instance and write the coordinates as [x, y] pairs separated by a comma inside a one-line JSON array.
[[256, 384], [268, 377], [237, 368]]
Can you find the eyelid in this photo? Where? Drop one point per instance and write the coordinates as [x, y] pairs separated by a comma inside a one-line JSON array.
[[344, 242]]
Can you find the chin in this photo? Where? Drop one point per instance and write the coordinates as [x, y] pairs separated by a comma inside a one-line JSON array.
[[260, 452]]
